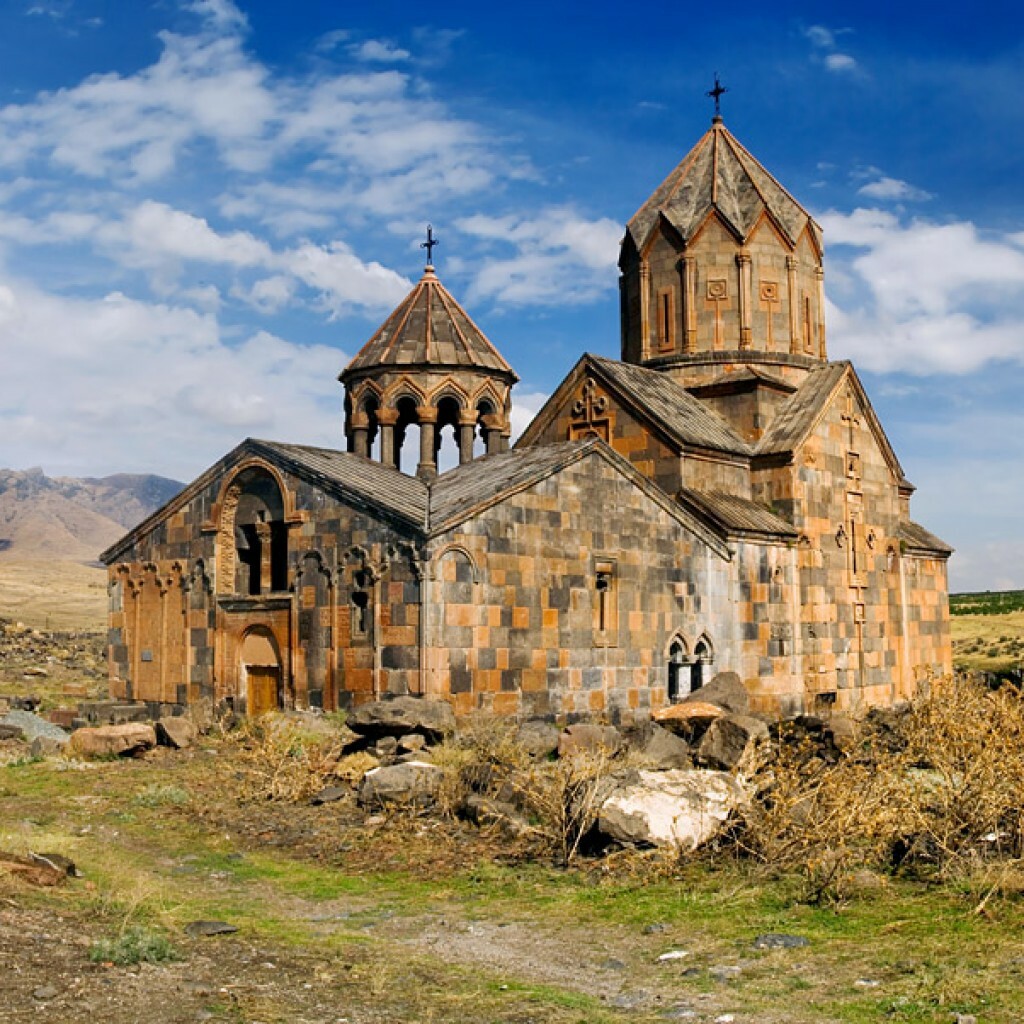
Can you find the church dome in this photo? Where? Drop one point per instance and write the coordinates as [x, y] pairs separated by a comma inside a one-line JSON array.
[[427, 366], [721, 270], [719, 174]]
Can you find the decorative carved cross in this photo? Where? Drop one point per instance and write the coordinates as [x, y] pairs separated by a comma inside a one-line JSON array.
[[716, 95], [429, 245], [590, 404], [850, 417]]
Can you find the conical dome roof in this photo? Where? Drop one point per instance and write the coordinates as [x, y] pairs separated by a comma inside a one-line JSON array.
[[429, 329], [719, 174]]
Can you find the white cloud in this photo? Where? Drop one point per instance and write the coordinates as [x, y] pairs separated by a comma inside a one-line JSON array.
[[823, 43], [923, 297], [561, 257], [840, 62], [377, 50], [151, 386], [885, 187]]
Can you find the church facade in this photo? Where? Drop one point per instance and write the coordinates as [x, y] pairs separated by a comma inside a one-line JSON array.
[[722, 498]]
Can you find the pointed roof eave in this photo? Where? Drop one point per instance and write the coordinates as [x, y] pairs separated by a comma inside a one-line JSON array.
[[841, 372]]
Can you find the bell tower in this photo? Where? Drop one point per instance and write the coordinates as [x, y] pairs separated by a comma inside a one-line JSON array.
[[430, 366], [721, 271]]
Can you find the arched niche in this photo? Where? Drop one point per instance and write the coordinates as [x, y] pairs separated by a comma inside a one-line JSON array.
[[252, 535]]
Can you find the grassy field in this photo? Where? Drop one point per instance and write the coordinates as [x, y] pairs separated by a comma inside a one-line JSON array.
[[53, 595], [409, 919]]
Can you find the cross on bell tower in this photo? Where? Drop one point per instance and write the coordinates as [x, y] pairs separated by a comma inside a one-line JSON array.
[[429, 245], [716, 95]]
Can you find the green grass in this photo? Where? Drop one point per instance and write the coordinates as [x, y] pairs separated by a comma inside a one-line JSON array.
[[987, 602]]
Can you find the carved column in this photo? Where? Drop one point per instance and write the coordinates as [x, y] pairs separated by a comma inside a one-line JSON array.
[[645, 309], [467, 431], [263, 532], [794, 305], [492, 434], [360, 427], [427, 469], [688, 287], [387, 418], [819, 276], [743, 264]]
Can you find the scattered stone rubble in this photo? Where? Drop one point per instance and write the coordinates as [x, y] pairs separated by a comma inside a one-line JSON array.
[[673, 782]]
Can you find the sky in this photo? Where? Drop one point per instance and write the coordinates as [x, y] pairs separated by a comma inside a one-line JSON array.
[[207, 206]]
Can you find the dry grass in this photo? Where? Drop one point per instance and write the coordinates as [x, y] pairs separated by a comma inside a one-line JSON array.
[[988, 642], [936, 789], [53, 595]]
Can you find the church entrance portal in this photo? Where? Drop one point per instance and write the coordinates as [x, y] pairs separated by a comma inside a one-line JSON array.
[[261, 673]]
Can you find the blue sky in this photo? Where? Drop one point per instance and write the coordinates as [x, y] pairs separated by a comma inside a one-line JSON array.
[[206, 208]]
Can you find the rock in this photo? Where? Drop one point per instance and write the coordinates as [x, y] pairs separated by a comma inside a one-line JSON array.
[[45, 992], [730, 742], [660, 748], [411, 743], [726, 691], [198, 929], [35, 671], [585, 737], [11, 732], [538, 738], [482, 811], [688, 717], [843, 729], [177, 732], [329, 795], [58, 862], [125, 740], [678, 808], [776, 940], [47, 746], [433, 719], [654, 929], [32, 725], [386, 746], [414, 782]]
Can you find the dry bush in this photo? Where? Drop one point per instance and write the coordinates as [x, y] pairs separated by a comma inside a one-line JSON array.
[[556, 802], [279, 760], [937, 787]]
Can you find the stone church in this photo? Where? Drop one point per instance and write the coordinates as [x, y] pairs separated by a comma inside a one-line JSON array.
[[721, 498]]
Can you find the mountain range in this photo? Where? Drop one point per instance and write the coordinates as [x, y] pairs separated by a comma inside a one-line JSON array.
[[71, 519]]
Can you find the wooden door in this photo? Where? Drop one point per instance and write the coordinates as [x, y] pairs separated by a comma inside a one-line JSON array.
[[264, 684]]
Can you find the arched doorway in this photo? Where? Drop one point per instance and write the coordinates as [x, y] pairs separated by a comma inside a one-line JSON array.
[[261, 676]]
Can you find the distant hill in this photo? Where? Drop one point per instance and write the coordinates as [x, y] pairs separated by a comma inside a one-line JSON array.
[[71, 519]]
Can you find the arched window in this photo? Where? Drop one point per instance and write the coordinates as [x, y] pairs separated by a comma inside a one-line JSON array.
[[407, 429], [703, 654], [677, 660], [446, 435]]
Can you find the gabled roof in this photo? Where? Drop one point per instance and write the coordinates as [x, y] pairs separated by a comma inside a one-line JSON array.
[[735, 515], [802, 411], [917, 540], [469, 489], [795, 420], [408, 502], [366, 485], [720, 175], [429, 328], [653, 397]]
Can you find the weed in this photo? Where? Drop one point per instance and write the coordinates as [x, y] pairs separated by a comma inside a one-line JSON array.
[[161, 795], [134, 945]]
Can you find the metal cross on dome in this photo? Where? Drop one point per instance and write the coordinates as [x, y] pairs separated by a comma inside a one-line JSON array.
[[429, 245], [716, 95]]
